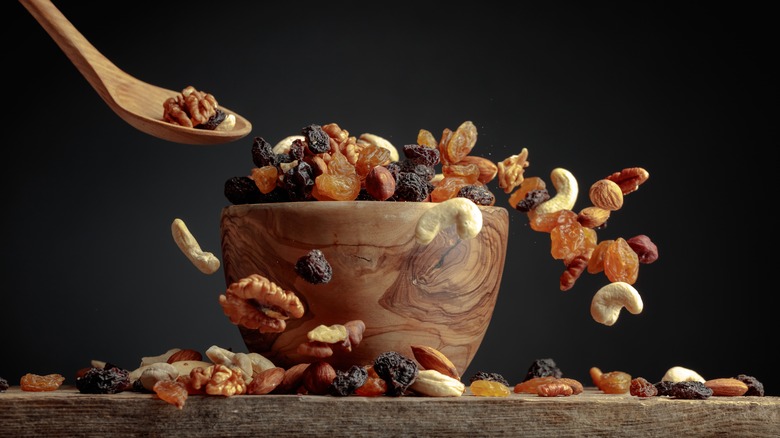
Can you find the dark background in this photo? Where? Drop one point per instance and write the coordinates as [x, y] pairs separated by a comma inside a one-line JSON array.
[[90, 271]]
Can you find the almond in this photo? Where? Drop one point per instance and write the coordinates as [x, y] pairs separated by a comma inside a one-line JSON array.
[[593, 217], [606, 194], [185, 355], [487, 169], [293, 378], [265, 381], [430, 358], [726, 387]]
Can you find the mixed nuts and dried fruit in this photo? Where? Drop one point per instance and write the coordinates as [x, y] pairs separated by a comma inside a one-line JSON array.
[[197, 109]]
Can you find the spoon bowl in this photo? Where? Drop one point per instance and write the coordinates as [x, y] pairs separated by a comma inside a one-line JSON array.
[[138, 103]]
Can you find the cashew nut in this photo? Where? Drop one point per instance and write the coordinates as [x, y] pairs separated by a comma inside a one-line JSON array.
[[566, 190], [375, 140], [228, 124], [461, 212], [206, 262], [148, 360], [284, 144], [610, 299], [156, 372], [435, 384], [221, 356], [260, 363], [681, 374]]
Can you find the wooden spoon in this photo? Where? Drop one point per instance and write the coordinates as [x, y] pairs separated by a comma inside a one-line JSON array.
[[138, 103]]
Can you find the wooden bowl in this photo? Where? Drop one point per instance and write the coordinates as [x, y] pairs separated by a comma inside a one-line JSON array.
[[441, 294]]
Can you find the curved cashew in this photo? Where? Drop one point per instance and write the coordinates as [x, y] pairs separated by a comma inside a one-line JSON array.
[[681, 374], [375, 140], [221, 356], [461, 212], [260, 363], [566, 190], [206, 262], [606, 304], [284, 144], [435, 384]]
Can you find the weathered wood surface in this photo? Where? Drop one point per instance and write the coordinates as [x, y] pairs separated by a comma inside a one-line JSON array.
[[441, 294], [68, 413]]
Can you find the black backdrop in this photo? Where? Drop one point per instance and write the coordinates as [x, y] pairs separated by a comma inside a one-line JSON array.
[[90, 270]]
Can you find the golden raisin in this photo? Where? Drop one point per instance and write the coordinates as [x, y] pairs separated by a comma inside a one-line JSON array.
[[596, 261], [339, 165], [529, 184], [621, 262], [448, 188], [459, 144], [265, 178], [546, 222], [426, 138], [37, 383], [328, 187], [571, 240], [489, 388], [615, 382], [370, 157], [468, 171], [172, 392]]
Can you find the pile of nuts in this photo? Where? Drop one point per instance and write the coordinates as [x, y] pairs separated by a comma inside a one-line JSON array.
[[196, 109]]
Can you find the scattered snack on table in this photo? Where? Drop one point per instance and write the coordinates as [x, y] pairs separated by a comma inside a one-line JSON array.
[[196, 109], [493, 377], [41, 383], [682, 374], [3, 384], [489, 388]]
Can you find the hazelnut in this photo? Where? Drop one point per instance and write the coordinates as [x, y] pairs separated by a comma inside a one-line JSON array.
[[318, 377], [645, 249], [380, 183]]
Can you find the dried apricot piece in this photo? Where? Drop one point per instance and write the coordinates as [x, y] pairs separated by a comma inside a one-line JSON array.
[[172, 392], [621, 262], [38, 383]]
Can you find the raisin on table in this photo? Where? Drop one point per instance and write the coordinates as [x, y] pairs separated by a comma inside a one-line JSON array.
[[755, 388], [543, 368], [397, 370], [690, 390], [493, 377], [3, 384], [109, 380], [346, 382]]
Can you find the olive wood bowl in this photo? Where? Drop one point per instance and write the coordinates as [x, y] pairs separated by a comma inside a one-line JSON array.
[[441, 294]]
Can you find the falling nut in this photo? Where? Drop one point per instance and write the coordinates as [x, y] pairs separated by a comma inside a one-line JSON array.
[[206, 262], [566, 191], [606, 194], [463, 213], [610, 299]]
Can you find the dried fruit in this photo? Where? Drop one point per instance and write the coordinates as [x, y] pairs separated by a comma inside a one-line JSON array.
[[346, 382], [596, 260], [532, 199], [3, 384], [548, 221], [213, 121], [370, 157], [41, 383], [314, 268], [529, 184], [478, 193], [299, 182], [107, 380], [373, 386], [755, 387], [690, 390], [621, 262], [493, 377], [410, 186], [614, 382], [397, 370], [531, 385], [554, 389], [265, 178], [543, 368], [664, 387], [172, 392], [489, 388], [459, 144], [316, 139], [425, 155], [640, 387]]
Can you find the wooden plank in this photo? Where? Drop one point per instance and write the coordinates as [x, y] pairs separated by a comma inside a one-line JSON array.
[[66, 412]]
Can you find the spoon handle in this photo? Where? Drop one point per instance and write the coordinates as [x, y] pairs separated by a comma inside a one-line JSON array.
[[87, 59]]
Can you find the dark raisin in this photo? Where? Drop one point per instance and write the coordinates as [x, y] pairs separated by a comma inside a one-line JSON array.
[[317, 139], [397, 370], [138, 386], [493, 377], [755, 387], [263, 153], [394, 168], [283, 158], [346, 382], [108, 380], [411, 187], [425, 172], [422, 155], [242, 190], [299, 182], [213, 121], [690, 390], [364, 196], [314, 268], [532, 200], [664, 387], [3, 384], [640, 387], [479, 194], [297, 149], [543, 368]]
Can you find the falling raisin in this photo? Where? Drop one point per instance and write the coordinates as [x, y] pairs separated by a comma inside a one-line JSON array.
[[299, 182], [664, 387], [314, 268], [109, 380], [543, 368], [755, 387], [640, 387], [397, 370], [242, 190], [317, 139], [493, 377], [213, 121], [424, 155], [37, 383], [479, 194], [532, 200], [346, 382], [411, 187], [3, 384], [690, 390]]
